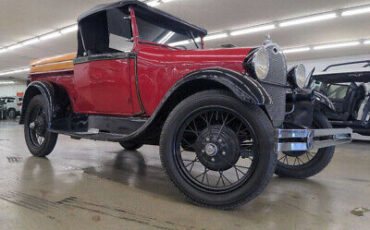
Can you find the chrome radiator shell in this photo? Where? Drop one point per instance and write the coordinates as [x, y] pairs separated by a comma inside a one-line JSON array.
[[275, 84]]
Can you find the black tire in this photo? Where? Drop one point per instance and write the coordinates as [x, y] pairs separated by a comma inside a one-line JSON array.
[[130, 145], [12, 114], [313, 165], [263, 167], [38, 105]]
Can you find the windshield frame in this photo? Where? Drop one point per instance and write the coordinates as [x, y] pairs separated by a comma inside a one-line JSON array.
[[138, 41]]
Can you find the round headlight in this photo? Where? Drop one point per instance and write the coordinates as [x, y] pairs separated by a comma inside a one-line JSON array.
[[300, 74], [258, 64], [297, 76]]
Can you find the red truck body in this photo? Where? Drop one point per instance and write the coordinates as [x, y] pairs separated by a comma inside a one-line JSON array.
[[108, 86]]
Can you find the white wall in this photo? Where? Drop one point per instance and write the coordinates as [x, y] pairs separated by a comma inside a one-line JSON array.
[[11, 90], [320, 64]]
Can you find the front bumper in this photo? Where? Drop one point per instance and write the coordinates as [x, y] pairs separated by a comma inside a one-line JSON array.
[[310, 139]]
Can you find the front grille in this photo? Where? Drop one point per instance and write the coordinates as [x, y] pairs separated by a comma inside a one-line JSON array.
[[276, 77]]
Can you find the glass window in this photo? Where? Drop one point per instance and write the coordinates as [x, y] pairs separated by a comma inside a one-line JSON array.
[[120, 31], [148, 31], [337, 91], [105, 32]]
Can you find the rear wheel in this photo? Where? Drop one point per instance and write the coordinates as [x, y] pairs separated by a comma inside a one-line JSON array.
[[130, 145], [302, 164], [39, 140], [217, 150]]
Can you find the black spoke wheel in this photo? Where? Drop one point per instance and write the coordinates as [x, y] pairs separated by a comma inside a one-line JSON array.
[[303, 164], [217, 150], [216, 141], [39, 140]]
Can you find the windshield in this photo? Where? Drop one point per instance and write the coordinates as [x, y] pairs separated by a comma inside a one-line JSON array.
[[337, 91], [151, 32]]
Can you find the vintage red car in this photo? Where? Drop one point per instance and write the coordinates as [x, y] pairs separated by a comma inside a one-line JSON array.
[[141, 76]]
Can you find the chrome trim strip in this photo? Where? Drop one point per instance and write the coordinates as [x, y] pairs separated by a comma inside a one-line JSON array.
[[291, 133], [303, 139], [291, 146], [329, 132]]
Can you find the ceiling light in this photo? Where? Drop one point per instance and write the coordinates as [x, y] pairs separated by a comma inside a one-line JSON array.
[[50, 35], [253, 30], [16, 46], [167, 37], [336, 45], [6, 82], [31, 41], [3, 50], [215, 36], [308, 19], [69, 29], [179, 43], [296, 50], [367, 42], [356, 11], [15, 71], [153, 3]]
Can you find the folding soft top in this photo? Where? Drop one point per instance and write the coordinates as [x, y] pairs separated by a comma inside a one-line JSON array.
[[149, 12]]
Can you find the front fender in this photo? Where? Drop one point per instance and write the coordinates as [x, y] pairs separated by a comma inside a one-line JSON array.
[[245, 88], [37, 88]]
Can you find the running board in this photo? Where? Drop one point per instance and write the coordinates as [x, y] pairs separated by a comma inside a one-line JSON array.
[[288, 140], [100, 136]]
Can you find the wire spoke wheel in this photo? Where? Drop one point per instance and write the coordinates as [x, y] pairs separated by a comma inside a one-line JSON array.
[[216, 150], [40, 141], [303, 164], [37, 126]]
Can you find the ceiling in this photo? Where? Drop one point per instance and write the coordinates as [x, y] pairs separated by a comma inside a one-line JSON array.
[[21, 20]]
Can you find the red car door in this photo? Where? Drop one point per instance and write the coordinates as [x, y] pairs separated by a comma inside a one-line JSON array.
[[104, 86], [104, 70]]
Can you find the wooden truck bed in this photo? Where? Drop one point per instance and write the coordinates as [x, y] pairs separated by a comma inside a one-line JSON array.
[[54, 63]]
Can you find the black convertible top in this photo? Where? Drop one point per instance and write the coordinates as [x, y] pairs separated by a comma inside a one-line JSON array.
[[343, 77], [362, 75], [149, 12]]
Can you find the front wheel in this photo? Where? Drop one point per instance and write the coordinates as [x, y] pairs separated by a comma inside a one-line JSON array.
[[39, 140], [217, 150], [302, 164]]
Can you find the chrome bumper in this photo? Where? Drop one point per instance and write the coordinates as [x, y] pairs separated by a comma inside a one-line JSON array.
[[310, 139]]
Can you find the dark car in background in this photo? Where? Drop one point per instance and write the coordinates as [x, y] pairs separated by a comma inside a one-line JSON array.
[[347, 85]]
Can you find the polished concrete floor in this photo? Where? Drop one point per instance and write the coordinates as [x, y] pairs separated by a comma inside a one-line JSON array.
[[98, 185]]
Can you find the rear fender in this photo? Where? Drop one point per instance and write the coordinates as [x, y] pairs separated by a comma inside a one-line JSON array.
[[46, 89]]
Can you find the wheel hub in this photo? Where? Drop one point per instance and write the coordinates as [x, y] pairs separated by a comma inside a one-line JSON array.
[[211, 149], [217, 148], [39, 125]]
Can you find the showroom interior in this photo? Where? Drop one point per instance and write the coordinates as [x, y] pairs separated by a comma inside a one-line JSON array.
[[117, 168]]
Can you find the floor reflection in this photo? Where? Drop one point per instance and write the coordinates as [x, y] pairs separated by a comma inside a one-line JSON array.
[[130, 168]]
